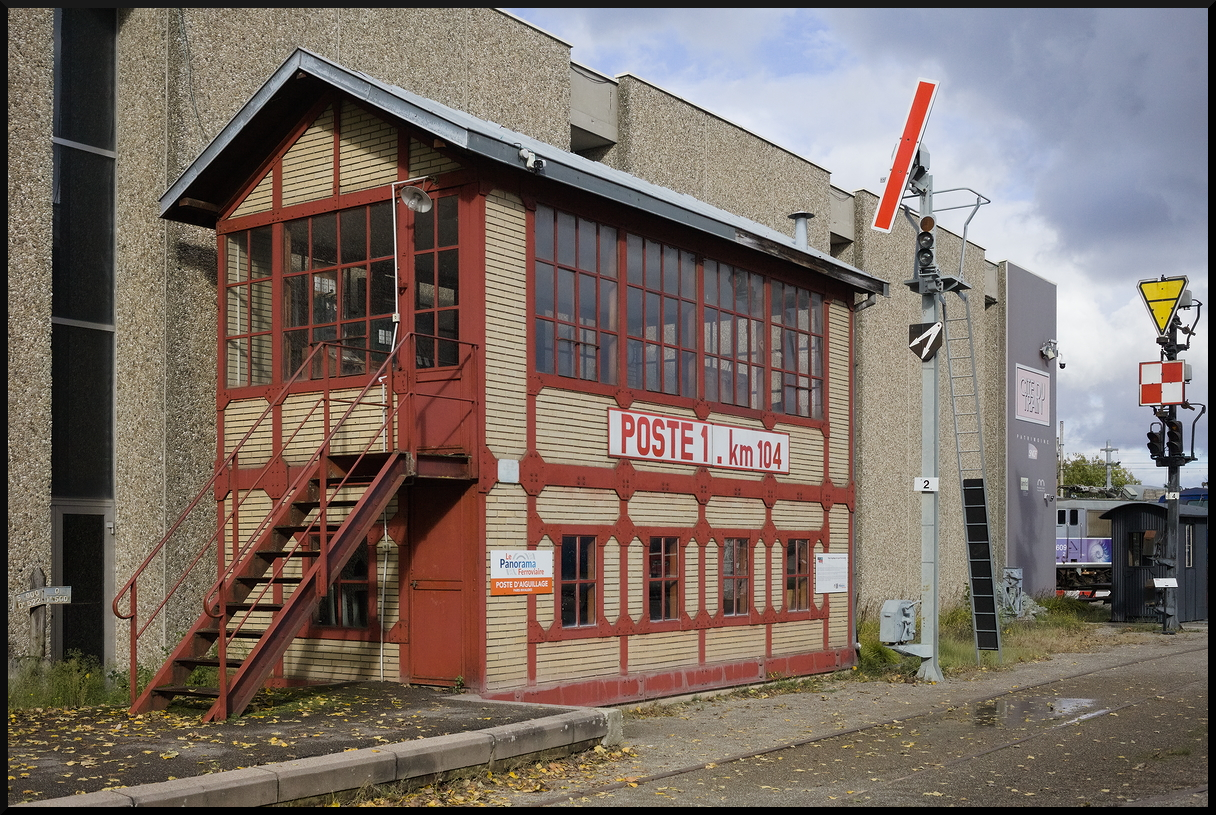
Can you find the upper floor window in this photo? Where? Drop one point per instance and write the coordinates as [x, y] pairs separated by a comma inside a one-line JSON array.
[[576, 297], [693, 327], [437, 283], [661, 304], [338, 288]]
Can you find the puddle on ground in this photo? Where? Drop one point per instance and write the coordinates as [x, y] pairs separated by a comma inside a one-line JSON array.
[[1005, 712]]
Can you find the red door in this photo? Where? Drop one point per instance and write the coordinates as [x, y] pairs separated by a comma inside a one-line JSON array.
[[435, 584]]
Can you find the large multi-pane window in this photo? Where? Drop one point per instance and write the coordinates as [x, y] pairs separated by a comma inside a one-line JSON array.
[[576, 297], [734, 335], [338, 288], [693, 327], [796, 339], [663, 578], [662, 317], [736, 577], [578, 580], [797, 574]]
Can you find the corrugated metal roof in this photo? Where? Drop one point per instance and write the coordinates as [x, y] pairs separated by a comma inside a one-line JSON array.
[[236, 152]]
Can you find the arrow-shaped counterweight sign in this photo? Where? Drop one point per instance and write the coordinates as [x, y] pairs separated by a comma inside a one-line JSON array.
[[905, 154], [924, 339]]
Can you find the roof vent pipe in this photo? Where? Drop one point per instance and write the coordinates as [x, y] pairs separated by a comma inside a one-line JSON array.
[[800, 221]]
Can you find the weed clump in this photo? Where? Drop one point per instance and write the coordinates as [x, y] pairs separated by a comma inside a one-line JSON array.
[[79, 680]]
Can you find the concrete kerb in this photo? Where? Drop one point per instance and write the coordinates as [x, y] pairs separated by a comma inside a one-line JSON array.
[[323, 775]]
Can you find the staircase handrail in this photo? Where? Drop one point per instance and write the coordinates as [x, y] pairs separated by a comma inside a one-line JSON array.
[[221, 469]]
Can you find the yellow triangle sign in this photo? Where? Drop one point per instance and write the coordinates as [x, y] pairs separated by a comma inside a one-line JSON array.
[[1161, 297]]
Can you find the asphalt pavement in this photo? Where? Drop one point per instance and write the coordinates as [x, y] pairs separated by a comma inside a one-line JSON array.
[[376, 733]]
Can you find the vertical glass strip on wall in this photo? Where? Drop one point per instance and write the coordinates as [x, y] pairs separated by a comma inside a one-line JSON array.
[[82, 255]]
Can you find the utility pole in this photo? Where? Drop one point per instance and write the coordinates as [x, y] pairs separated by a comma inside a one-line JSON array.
[[1109, 464]]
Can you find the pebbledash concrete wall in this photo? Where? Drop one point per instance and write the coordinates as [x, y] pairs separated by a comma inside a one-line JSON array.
[[31, 108], [184, 73]]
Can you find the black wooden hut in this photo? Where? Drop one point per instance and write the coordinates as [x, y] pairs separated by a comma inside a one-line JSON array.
[[1137, 543]]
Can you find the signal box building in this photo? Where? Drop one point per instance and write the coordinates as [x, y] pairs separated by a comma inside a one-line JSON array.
[[556, 433], [458, 365]]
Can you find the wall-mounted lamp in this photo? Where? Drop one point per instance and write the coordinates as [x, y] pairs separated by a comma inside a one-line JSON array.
[[415, 197]]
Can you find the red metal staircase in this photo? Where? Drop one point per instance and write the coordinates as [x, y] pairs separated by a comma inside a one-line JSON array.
[[269, 586], [245, 593]]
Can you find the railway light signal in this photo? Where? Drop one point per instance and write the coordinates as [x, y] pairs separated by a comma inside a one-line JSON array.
[[1173, 438], [925, 256], [1156, 442]]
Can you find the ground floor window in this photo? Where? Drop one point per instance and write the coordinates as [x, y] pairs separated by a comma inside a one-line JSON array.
[[663, 579], [346, 604], [578, 580], [797, 574], [736, 577]]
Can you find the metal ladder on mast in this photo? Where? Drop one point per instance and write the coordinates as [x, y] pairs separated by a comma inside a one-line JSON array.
[[969, 447]]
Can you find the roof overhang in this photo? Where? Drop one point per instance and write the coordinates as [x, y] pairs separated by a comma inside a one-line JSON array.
[[266, 119]]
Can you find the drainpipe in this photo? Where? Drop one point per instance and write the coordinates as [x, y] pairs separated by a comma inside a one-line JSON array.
[[800, 221]]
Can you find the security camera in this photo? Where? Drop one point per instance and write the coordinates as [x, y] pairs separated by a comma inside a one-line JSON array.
[[531, 161], [1061, 366]]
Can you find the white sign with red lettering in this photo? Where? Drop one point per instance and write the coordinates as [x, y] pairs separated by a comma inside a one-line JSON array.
[[654, 437]]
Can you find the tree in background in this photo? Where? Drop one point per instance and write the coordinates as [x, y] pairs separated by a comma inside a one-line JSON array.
[[1079, 471]]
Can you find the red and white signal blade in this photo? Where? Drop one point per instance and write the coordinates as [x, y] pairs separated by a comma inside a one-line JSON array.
[[905, 154]]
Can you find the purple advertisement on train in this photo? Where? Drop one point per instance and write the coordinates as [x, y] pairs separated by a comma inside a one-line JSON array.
[[1082, 550]]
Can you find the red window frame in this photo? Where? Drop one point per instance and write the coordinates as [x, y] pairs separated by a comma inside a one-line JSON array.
[[576, 296], [578, 586], [736, 576], [797, 343], [661, 317], [797, 570], [671, 322], [338, 286], [663, 579]]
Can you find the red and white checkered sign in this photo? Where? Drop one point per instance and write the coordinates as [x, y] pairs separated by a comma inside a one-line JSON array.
[[1161, 383]]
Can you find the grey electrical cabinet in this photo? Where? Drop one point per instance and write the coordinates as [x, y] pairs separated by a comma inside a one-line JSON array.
[[898, 623]]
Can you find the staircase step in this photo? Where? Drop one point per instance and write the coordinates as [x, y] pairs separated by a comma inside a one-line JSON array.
[[313, 503], [182, 690], [272, 554], [278, 581], [239, 635], [203, 662], [275, 607], [298, 528]]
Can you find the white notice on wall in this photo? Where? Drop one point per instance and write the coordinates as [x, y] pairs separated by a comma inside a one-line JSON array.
[[831, 573]]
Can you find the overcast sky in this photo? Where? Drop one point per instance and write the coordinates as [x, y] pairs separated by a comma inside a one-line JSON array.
[[1086, 127]]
